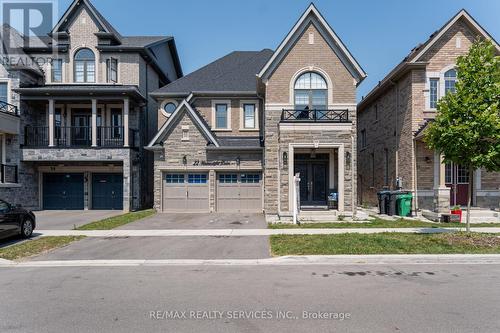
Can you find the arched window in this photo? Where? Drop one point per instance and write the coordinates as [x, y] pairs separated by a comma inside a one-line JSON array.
[[450, 79], [84, 66], [311, 92]]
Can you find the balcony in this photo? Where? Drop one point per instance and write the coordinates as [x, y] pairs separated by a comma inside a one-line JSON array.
[[314, 116], [79, 137], [9, 118], [8, 174]]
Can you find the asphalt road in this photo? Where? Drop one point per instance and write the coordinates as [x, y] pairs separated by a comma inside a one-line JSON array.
[[396, 298]]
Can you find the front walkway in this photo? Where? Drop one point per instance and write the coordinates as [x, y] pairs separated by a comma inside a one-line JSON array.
[[70, 219], [248, 232]]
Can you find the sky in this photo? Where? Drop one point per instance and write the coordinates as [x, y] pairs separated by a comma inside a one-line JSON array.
[[379, 33]]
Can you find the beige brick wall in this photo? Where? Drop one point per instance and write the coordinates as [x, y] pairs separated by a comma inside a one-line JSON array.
[[319, 55]]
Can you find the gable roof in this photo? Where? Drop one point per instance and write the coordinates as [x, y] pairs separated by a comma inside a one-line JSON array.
[[313, 16], [183, 107], [420, 50], [72, 10], [234, 72], [412, 60]]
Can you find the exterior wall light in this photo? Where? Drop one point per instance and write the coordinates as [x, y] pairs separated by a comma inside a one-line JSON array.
[[184, 160], [348, 160], [238, 160], [285, 159]]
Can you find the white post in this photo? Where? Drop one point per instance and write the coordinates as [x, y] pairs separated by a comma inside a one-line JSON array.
[[51, 122], [126, 105], [296, 197], [94, 123]]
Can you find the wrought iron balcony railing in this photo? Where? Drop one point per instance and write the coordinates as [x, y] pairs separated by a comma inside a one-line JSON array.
[[9, 108], [315, 115]]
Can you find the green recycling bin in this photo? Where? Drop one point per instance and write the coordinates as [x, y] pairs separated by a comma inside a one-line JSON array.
[[403, 204]]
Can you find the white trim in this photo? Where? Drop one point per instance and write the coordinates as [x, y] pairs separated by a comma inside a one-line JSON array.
[[228, 117], [304, 70], [97, 56], [9, 93], [242, 115], [315, 127], [461, 14], [312, 10], [170, 120], [165, 102]]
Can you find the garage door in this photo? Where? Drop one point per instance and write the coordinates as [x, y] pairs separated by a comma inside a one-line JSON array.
[[107, 191], [63, 191], [239, 192], [185, 192]]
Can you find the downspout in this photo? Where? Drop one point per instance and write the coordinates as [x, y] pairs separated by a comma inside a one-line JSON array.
[[415, 172]]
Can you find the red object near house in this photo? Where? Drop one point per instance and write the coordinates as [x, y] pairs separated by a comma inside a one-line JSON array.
[[457, 212]]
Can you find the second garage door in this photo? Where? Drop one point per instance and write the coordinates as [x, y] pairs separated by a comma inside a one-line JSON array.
[[239, 192], [107, 191], [185, 192]]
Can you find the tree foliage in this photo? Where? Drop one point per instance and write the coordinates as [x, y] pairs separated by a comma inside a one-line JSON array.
[[467, 126]]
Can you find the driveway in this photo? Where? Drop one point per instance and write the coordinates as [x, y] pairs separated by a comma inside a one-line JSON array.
[[199, 221], [69, 219]]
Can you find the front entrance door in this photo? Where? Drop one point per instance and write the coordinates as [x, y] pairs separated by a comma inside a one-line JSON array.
[[81, 131], [457, 179], [313, 179]]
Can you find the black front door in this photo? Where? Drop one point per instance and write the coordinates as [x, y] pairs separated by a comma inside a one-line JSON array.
[[81, 130], [63, 191], [107, 191], [313, 182]]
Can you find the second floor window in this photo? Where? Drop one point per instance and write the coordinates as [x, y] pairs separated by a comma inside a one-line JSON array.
[[85, 66], [4, 91], [363, 138], [433, 92], [311, 92], [221, 116], [57, 70], [450, 79], [112, 68], [249, 116]]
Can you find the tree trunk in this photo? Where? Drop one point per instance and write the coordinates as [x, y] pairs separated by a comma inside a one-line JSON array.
[[469, 197]]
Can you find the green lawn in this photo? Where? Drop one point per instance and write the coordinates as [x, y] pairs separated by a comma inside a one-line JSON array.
[[385, 243], [36, 246], [380, 223], [117, 221]]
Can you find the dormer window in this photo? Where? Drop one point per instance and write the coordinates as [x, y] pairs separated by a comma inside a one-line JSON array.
[[85, 66]]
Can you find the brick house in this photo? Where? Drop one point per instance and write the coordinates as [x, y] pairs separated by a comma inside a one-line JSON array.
[[392, 119], [82, 116], [233, 134]]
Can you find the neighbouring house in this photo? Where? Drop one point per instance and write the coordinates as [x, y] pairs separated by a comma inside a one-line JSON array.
[[233, 134], [393, 117], [78, 121]]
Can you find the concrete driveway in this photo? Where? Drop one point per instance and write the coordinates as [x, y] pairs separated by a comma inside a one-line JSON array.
[[69, 219], [199, 221]]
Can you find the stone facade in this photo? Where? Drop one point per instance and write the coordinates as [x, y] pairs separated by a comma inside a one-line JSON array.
[[393, 116]]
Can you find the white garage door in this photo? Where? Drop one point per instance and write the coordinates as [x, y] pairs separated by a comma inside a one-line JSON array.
[[239, 192], [185, 192]]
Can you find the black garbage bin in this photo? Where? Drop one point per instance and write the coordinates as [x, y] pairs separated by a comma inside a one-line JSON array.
[[383, 200]]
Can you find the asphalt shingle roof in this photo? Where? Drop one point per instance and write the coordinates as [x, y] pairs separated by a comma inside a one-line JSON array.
[[234, 72]]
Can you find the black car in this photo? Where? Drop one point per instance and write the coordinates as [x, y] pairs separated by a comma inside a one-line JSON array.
[[15, 220]]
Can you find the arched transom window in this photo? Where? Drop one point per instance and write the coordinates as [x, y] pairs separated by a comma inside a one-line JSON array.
[[450, 79], [311, 92], [84, 66]]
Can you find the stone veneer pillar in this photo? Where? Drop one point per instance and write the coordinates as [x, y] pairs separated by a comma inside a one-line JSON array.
[[441, 192]]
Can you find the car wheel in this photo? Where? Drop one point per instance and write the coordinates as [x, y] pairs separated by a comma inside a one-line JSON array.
[[27, 228]]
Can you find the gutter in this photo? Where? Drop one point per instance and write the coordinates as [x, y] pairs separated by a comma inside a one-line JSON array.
[[159, 95]]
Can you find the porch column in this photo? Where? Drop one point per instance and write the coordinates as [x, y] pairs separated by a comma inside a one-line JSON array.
[[126, 106], [341, 178], [441, 192], [51, 122], [94, 123]]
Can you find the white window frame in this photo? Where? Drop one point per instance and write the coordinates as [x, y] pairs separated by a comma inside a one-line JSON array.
[[165, 102], [108, 69], [441, 86], [214, 120], [9, 97], [242, 115], [51, 68]]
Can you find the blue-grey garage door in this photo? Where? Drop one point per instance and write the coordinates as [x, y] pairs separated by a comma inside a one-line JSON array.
[[107, 191], [63, 191]]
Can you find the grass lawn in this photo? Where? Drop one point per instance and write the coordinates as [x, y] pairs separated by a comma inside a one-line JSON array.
[[117, 221], [36, 246], [385, 243], [380, 223]]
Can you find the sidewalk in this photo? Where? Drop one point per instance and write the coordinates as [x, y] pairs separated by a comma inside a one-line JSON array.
[[418, 259], [250, 232]]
